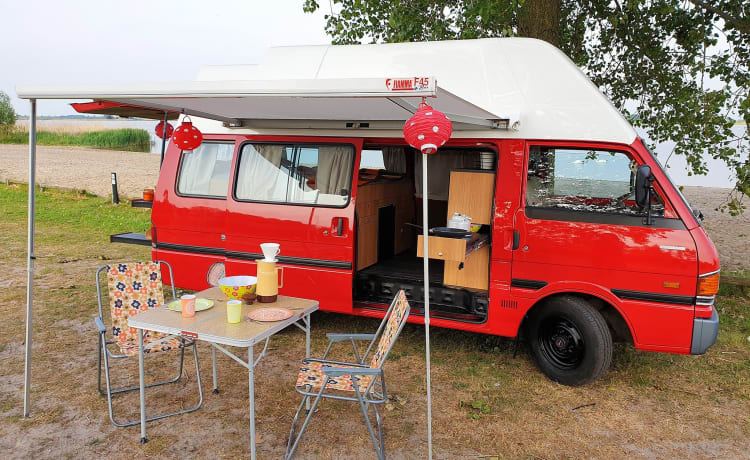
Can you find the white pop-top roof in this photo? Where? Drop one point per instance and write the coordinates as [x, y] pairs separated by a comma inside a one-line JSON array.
[[527, 82]]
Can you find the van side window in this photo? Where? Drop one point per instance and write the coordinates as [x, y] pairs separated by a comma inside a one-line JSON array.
[[204, 172], [317, 175], [584, 180]]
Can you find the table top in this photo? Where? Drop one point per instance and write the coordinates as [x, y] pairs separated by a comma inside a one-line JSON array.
[[211, 325]]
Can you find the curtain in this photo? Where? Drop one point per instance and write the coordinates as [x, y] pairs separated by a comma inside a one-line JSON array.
[[199, 172], [394, 159], [260, 176], [334, 169], [439, 167]]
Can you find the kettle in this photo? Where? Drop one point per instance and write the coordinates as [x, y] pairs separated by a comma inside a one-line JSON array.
[[460, 221]]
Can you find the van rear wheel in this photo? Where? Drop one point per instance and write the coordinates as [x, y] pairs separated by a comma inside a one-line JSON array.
[[570, 340]]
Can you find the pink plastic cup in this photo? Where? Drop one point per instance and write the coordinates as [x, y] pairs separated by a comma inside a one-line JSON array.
[[188, 305]]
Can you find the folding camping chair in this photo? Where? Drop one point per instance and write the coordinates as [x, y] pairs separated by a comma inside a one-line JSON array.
[[366, 381], [134, 287]]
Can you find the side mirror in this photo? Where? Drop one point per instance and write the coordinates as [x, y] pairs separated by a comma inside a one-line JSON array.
[[643, 180]]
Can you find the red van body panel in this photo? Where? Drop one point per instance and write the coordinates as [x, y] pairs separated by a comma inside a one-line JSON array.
[[627, 266]]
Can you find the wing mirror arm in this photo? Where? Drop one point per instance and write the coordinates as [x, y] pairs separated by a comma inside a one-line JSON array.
[[643, 190]]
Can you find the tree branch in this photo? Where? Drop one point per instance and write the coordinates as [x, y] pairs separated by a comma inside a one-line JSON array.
[[741, 24]]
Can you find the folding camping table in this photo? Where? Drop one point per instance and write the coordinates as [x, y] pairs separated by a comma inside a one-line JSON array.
[[211, 326]]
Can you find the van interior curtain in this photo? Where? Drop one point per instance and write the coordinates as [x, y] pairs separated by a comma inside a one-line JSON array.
[[440, 171], [394, 160], [198, 171], [334, 170], [260, 176]]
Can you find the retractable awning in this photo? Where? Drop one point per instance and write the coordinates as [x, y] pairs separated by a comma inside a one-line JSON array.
[[121, 110], [375, 103]]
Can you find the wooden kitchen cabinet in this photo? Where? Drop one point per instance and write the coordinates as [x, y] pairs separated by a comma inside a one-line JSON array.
[[471, 193]]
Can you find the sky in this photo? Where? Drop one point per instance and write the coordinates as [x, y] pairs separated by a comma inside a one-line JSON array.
[[108, 41], [103, 41]]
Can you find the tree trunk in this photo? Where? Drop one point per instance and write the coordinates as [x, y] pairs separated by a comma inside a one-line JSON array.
[[540, 19]]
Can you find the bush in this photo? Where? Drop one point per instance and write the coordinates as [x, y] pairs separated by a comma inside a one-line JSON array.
[[7, 113]]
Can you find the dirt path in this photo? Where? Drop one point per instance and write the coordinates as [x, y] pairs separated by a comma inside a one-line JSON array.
[[89, 169]]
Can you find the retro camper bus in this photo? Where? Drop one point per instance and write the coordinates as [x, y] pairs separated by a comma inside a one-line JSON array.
[[580, 236]]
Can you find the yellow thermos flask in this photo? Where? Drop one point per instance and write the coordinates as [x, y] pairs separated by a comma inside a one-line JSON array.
[[268, 281]]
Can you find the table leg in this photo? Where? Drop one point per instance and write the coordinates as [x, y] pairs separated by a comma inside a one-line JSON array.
[[213, 362], [308, 322], [251, 378], [142, 387]]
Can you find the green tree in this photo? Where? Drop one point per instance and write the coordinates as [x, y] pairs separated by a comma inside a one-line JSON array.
[[7, 114], [679, 69]]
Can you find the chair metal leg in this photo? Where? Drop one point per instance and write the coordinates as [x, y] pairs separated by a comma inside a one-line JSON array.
[[305, 399], [110, 392], [376, 443], [99, 368], [290, 451]]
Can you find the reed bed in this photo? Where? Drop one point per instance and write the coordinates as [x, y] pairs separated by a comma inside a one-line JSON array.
[[129, 139]]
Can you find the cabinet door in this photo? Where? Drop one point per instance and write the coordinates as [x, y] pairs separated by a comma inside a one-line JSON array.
[[471, 194]]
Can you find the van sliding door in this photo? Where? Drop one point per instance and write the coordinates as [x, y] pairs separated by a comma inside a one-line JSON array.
[[297, 194]]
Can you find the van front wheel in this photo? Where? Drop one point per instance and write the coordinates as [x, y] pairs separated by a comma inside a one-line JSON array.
[[570, 340]]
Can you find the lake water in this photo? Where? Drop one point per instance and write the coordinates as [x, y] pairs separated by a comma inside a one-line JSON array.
[[719, 175]]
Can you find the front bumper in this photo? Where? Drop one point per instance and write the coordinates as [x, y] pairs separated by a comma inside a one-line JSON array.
[[705, 331]]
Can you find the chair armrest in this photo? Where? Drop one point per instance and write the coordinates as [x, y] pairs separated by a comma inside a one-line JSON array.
[[329, 363], [339, 371], [335, 337], [100, 325]]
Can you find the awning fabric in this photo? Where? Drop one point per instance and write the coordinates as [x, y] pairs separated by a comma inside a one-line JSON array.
[[277, 103]]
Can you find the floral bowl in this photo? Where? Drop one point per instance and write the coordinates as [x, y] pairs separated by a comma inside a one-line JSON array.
[[234, 287]]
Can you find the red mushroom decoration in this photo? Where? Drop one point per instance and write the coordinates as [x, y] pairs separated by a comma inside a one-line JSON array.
[[428, 129], [160, 130], [187, 136]]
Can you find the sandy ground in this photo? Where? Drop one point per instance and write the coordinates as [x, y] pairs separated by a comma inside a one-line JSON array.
[[82, 168], [89, 169]]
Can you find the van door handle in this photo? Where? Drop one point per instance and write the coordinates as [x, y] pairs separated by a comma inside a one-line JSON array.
[[516, 239], [340, 227]]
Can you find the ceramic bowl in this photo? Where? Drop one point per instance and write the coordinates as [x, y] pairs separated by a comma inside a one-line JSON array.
[[234, 287]]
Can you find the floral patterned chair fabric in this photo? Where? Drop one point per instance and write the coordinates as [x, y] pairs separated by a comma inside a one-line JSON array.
[[135, 287], [392, 328], [311, 373]]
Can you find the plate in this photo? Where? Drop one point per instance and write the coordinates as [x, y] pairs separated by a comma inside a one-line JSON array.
[[200, 305], [270, 314]]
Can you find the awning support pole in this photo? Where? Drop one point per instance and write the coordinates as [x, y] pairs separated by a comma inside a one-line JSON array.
[[164, 138], [30, 253], [426, 259]]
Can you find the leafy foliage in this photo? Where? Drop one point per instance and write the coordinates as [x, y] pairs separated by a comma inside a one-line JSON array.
[[679, 69], [7, 113]]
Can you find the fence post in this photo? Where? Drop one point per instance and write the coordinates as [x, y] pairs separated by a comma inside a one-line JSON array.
[[115, 197]]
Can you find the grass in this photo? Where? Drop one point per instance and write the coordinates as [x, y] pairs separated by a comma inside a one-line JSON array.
[[134, 140], [485, 402]]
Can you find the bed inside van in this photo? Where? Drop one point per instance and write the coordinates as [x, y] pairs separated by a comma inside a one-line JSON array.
[[389, 229]]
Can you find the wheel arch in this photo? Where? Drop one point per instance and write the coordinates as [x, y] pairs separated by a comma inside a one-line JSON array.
[[617, 321]]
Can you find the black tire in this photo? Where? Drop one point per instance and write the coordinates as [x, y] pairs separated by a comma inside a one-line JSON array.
[[570, 340]]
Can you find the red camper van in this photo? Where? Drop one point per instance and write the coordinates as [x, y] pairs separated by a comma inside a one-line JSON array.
[[581, 237]]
